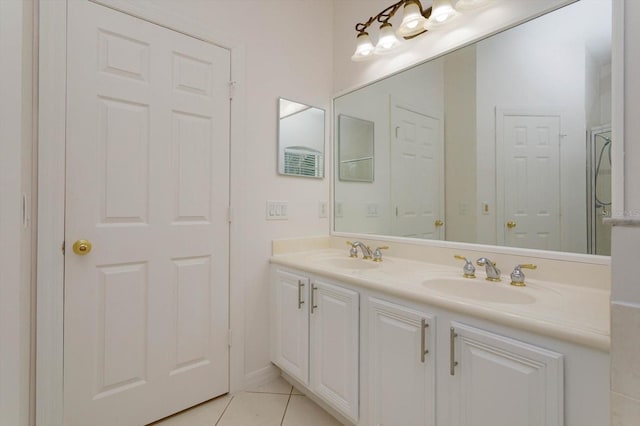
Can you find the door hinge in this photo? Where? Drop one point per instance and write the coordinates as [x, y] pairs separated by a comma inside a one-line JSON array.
[[232, 88], [229, 337], [230, 214], [62, 247], [25, 211]]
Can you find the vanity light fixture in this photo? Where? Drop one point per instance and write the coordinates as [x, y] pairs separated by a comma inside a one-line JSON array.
[[415, 21]]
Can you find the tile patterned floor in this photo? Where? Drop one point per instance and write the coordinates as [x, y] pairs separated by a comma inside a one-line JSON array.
[[276, 403]]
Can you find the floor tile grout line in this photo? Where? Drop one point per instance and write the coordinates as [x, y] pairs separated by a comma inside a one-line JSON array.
[[224, 411], [286, 407]]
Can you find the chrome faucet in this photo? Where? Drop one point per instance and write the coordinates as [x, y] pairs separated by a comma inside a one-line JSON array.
[[353, 252], [493, 273], [377, 253]]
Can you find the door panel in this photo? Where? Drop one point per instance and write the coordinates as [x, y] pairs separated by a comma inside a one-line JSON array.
[[402, 388], [335, 341], [290, 324], [504, 382], [531, 181], [416, 174], [146, 311]]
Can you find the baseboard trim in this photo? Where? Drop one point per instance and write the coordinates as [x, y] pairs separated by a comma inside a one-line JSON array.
[[260, 377], [302, 388]]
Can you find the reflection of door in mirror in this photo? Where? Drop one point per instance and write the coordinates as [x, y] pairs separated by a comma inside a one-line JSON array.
[[416, 174], [530, 171]]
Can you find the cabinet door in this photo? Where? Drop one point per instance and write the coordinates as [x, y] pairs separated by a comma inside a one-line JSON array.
[[334, 346], [290, 324], [500, 381], [401, 365]]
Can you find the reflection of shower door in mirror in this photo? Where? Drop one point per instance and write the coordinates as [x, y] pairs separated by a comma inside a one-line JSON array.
[[528, 170], [599, 190], [416, 174]]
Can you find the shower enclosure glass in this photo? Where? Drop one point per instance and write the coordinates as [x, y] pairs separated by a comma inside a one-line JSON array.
[[599, 190]]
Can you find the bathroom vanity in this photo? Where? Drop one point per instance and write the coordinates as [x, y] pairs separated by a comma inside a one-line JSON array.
[[409, 342]]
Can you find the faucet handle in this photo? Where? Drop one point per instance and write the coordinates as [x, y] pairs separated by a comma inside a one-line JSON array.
[[517, 276], [366, 254], [353, 251], [377, 254], [468, 269]]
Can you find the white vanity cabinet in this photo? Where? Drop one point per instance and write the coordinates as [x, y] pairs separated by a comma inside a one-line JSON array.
[[500, 381], [401, 362], [401, 365], [290, 323], [315, 337], [335, 343]]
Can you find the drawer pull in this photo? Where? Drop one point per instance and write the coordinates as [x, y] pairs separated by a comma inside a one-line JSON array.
[[452, 351], [423, 339], [300, 301], [313, 298]]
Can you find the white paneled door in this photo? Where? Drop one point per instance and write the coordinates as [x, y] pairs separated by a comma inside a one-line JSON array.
[[417, 166], [531, 175], [146, 308]]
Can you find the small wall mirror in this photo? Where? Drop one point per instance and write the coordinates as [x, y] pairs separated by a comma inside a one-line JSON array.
[[300, 139], [355, 152]]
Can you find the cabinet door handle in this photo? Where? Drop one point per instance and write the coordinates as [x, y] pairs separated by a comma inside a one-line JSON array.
[[452, 351], [423, 339], [313, 298], [300, 301]]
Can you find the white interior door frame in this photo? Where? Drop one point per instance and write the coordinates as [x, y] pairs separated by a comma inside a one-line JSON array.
[[501, 112], [51, 192]]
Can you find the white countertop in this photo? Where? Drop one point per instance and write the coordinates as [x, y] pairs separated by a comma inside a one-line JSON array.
[[566, 312]]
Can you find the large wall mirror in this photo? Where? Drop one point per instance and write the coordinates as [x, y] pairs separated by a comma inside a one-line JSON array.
[[503, 142], [300, 139]]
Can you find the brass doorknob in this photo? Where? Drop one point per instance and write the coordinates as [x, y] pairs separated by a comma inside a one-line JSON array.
[[82, 247], [438, 223], [511, 224]]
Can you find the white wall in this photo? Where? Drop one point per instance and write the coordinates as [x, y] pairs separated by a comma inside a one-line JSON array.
[[283, 58], [460, 93], [15, 180]]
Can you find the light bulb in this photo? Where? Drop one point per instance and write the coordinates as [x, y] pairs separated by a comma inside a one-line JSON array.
[[387, 41], [441, 10], [412, 21], [364, 47]]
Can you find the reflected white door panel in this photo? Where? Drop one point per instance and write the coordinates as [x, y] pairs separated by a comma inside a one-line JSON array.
[[531, 178], [417, 166]]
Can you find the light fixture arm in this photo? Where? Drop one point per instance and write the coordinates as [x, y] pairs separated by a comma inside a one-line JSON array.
[[385, 15]]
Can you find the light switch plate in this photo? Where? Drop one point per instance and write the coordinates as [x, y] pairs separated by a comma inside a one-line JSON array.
[[372, 210], [277, 210], [322, 209]]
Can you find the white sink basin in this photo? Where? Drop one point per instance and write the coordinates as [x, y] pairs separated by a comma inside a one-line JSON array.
[[479, 289], [351, 263]]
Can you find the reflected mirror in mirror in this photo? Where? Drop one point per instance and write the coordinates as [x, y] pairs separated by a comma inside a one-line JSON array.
[[355, 149], [503, 142], [300, 139]]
